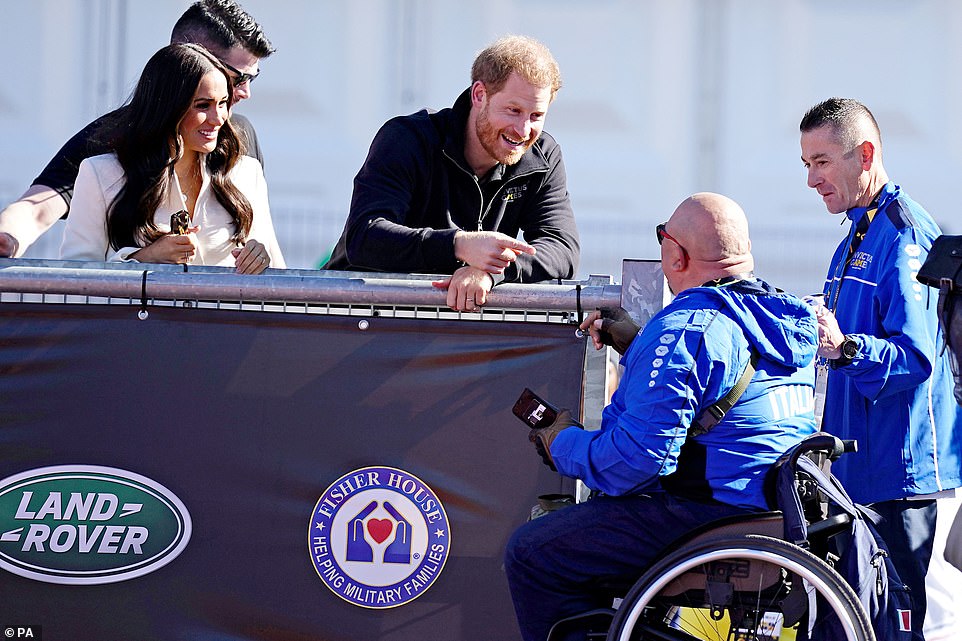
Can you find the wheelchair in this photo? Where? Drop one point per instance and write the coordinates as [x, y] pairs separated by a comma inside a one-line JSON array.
[[738, 579]]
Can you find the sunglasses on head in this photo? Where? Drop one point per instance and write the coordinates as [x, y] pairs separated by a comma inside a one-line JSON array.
[[239, 76], [661, 233]]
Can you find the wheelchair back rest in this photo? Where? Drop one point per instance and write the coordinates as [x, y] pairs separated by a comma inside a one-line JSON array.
[[865, 563], [943, 271], [742, 576]]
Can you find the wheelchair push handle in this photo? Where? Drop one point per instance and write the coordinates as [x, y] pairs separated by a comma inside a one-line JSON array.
[[823, 443], [849, 446], [841, 446]]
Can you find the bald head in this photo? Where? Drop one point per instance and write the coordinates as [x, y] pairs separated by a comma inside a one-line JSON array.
[[713, 231], [714, 226]]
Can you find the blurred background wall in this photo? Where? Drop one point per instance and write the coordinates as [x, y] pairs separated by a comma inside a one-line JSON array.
[[661, 98]]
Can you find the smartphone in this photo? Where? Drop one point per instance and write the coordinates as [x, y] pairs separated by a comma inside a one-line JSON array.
[[534, 411], [179, 222]]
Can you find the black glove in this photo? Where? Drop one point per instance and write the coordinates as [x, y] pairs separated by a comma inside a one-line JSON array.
[[543, 437], [618, 329]]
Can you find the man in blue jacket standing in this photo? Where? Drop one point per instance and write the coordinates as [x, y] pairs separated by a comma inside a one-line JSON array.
[[448, 192], [889, 384], [661, 478]]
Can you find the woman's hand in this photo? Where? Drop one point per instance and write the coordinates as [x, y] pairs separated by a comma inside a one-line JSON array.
[[252, 258], [174, 249]]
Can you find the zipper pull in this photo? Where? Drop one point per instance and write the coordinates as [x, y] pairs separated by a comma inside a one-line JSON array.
[[878, 562]]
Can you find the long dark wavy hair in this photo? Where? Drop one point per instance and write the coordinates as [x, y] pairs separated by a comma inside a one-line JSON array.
[[147, 144]]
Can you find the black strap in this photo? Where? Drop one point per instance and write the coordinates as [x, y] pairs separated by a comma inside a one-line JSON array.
[[714, 413], [946, 307], [142, 314], [581, 313]]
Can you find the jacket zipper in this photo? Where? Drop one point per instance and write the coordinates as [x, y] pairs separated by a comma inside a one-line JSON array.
[[484, 210]]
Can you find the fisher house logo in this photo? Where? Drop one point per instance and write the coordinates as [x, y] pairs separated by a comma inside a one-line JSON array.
[[83, 525], [379, 537]]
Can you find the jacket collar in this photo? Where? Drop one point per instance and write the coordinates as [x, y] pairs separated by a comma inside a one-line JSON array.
[[889, 192]]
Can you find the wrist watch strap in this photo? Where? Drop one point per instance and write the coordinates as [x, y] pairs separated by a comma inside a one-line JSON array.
[[849, 349]]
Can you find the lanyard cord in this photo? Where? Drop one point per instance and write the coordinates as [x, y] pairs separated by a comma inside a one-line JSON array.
[[859, 231], [730, 280]]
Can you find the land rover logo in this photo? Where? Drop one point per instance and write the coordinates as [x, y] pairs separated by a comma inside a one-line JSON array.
[[83, 525]]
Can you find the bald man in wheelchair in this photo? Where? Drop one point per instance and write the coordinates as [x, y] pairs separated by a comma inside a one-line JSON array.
[[670, 455]]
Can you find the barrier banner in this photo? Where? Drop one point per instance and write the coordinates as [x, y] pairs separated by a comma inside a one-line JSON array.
[[237, 475]]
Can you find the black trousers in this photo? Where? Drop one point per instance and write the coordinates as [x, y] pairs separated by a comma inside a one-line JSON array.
[[908, 527]]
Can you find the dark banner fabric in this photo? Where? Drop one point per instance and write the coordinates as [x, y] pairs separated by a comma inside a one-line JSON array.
[[237, 475]]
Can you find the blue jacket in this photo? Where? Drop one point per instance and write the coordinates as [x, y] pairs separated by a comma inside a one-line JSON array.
[[896, 397], [416, 190], [688, 356]]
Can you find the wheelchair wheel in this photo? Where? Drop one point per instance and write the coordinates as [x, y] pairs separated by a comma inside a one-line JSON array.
[[742, 588]]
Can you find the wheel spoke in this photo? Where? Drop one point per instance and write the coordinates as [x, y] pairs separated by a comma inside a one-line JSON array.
[[754, 582]]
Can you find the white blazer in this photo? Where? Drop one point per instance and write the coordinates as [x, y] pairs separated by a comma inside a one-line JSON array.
[[100, 179]]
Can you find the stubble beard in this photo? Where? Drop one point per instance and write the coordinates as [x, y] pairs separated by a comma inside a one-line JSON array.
[[490, 139]]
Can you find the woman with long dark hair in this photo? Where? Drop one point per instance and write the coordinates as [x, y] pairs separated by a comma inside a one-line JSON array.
[[176, 158]]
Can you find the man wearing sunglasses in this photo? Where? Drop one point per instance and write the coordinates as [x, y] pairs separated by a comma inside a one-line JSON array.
[[663, 459], [224, 28]]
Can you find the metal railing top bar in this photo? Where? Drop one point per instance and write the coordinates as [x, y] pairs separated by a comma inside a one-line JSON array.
[[126, 280]]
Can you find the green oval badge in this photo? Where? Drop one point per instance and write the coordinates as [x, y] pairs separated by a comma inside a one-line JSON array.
[[82, 525]]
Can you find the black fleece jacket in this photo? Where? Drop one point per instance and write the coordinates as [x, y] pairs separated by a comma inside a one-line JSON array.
[[415, 191]]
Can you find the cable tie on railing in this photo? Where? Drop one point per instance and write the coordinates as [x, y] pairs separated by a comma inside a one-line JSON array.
[[581, 315], [142, 314]]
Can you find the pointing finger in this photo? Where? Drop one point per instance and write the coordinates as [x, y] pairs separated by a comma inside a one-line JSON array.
[[520, 246]]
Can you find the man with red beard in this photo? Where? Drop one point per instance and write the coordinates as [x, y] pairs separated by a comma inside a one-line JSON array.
[[447, 192]]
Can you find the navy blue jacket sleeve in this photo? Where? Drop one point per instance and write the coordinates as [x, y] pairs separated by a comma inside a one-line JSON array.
[[379, 234]]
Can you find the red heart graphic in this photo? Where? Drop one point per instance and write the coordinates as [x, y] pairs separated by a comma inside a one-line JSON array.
[[380, 529]]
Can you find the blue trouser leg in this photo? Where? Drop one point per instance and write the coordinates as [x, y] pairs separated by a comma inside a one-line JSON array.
[[908, 528], [553, 562]]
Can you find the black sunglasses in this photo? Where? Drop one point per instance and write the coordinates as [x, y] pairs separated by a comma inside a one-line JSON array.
[[661, 233], [240, 77]]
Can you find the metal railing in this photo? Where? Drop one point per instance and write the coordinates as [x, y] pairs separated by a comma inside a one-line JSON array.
[[296, 291]]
